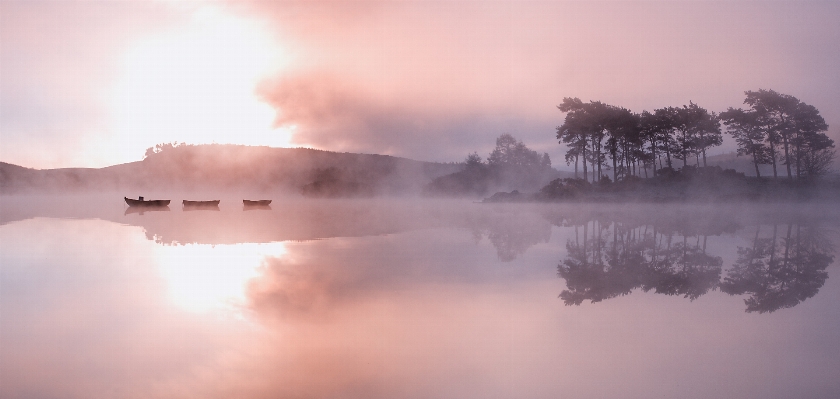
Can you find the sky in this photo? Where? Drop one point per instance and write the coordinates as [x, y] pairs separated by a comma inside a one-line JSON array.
[[95, 83]]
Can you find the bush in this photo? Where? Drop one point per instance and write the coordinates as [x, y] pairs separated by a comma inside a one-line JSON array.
[[564, 188]]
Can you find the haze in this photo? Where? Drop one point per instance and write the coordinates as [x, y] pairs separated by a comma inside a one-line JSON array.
[[96, 83], [390, 298]]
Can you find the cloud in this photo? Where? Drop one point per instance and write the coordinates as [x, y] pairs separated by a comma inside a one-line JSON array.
[[439, 80], [425, 80], [58, 61], [328, 113]]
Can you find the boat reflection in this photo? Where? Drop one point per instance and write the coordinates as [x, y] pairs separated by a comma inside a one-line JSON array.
[[200, 207], [256, 207], [141, 209]]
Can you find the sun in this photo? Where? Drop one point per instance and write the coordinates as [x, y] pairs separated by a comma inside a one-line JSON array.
[[197, 85]]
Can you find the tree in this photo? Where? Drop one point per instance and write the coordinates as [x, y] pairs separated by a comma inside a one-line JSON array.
[[512, 153], [746, 128], [813, 151], [666, 122], [696, 130], [651, 130], [778, 116], [473, 161], [585, 128], [574, 133], [624, 136], [781, 120], [158, 148], [683, 121], [705, 129]]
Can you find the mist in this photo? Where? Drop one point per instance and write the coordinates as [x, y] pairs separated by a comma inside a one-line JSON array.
[[387, 290], [415, 80], [387, 199]]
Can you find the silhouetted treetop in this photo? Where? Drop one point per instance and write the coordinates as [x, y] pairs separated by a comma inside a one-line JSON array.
[[778, 130], [510, 152]]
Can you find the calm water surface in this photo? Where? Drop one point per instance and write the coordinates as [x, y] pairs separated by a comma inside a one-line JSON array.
[[417, 299]]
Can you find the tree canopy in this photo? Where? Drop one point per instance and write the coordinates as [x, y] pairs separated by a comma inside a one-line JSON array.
[[777, 129], [781, 130]]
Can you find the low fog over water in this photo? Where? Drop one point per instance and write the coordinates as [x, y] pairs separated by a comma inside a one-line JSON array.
[[414, 199], [416, 298]]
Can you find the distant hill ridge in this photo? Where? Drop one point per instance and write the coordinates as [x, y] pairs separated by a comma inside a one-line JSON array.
[[225, 167], [743, 164]]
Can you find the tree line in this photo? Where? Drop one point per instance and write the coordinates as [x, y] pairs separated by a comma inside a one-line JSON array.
[[777, 129]]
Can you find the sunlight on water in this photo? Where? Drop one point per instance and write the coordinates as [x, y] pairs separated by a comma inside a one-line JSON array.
[[202, 278], [342, 299]]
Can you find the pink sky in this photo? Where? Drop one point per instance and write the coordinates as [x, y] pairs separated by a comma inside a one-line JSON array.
[[95, 83]]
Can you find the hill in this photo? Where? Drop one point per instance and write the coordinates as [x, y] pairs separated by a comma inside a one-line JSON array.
[[743, 164], [235, 167]]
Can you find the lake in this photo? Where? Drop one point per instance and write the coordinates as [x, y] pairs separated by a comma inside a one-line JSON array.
[[402, 298]]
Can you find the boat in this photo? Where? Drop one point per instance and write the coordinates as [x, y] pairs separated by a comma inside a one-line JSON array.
[[201, 203], [256, 203], [142, 202]]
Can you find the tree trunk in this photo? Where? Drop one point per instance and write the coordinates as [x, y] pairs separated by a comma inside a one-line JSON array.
[[773, 249], [787, 157], [598, 159], [615, 169], [585, 175], [653, 151], [704, 157]]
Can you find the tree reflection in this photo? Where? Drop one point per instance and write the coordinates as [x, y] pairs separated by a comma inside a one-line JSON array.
[[616, 258], [780, 272], [610, 257], [511, 235]]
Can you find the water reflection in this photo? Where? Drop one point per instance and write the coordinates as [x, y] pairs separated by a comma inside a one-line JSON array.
[[256, 207], [201, 277], [140, 210], [200, 207], [511, 234], [394, 300], [613, 255], [782, 270]]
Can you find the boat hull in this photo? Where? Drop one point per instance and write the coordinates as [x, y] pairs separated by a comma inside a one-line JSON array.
[[134, 202], [201, 203], [256, 203]]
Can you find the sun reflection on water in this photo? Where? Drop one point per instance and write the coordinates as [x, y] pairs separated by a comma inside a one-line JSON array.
[[202, 278]]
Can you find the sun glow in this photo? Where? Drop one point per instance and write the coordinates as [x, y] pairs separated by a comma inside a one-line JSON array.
[[202, 278], [197, 85]]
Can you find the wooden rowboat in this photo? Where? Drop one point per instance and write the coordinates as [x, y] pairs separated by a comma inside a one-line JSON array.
[[256, 203], [201, 203], [141, 202]]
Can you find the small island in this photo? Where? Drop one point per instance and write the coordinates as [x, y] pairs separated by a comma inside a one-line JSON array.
[[661, 156]]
